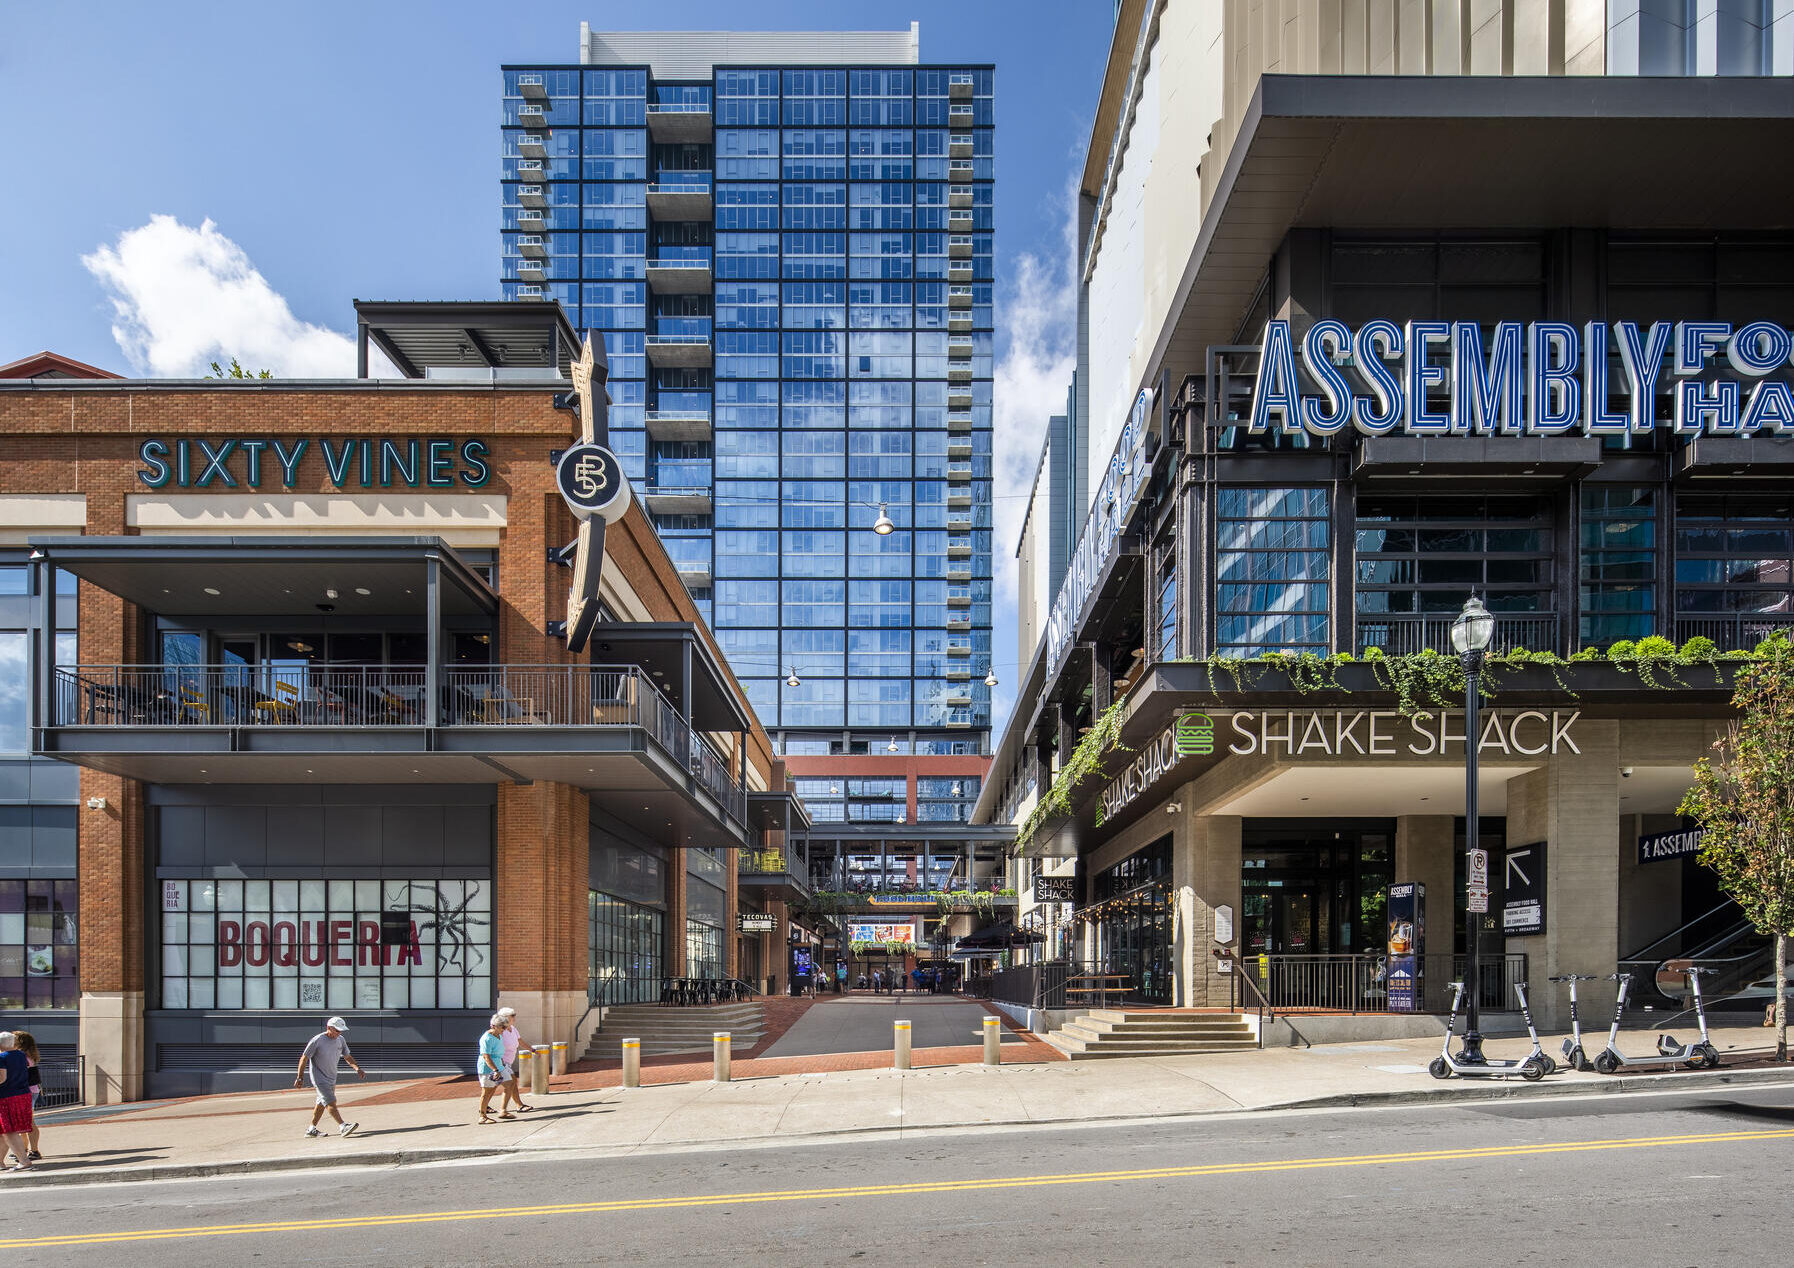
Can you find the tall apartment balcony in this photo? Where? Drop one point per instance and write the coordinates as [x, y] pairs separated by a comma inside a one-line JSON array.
[[531, 270], [532, 196], [539, 294], [960, 547], [959, 321], [959, 395], [959, 372], [532, 145], [958, 271], [960, 115], [772, 872], [532, 246], [959, 421], [679, 424], [959, 719], [959, 246], [959, 647], [694, 573], [675, 270], [959, 673], [533, 114], [1734, 632], [957, 524], [957, 696], [1404, 635], [959, 621], [680, 487], [961, 222], [959, 596], [959, 447], [958, 196], [959, 297], [531, 88], [534, 171], [959, 145], [531, 220], [680, 122], [960, 348], [959, 497], [959, 571], [959, 170], [961, 87], [959, 472], [679, 350], [680, 196]]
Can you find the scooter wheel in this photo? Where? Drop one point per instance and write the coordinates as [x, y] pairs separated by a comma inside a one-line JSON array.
[[1710, 1058], [1533, 1070], [1550, 1065], [1606, 1064], [1438, 1069]]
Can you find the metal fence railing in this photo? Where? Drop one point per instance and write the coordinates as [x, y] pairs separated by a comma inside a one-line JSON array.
[[1737, 633], [1402, 636], [62, 1081], [1359, 983]]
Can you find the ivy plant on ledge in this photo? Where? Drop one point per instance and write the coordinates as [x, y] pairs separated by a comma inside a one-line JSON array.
[[1420, 682], [833, 902]]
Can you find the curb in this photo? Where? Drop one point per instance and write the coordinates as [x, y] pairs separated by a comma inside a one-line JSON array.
[[1512, 1089], [257, 1166]]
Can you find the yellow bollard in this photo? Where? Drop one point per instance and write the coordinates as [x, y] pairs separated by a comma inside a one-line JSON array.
[[993, 1041], [539, 1082], [719, 1056], [632, 1063], [901, 1040], [560, 1057], [524, 1070]]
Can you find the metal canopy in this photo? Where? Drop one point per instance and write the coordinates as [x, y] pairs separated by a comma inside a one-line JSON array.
[[271, 576], [781, 811], [1475, 153], [466, 335], [663, 648]]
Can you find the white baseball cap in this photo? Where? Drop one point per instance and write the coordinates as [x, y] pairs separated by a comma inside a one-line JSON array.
[[337, 1023]]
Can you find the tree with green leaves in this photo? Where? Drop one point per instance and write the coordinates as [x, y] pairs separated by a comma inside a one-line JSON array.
[[236, 371], [1743, 799]]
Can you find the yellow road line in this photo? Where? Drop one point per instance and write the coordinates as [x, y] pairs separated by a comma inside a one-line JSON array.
[[892, 1190]]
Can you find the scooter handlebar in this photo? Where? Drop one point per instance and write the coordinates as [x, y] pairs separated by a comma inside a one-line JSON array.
[[1573, 977]]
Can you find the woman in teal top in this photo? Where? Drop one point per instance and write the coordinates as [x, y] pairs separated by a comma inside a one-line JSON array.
[[492, 1067]]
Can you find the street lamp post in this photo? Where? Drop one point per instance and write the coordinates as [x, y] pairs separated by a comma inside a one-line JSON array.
[[1470, 637]]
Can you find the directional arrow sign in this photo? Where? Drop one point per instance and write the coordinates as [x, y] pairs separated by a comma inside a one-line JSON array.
[[1523, 905]]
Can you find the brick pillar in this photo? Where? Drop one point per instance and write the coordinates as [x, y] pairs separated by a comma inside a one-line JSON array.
[[110, 865], [540, 917]]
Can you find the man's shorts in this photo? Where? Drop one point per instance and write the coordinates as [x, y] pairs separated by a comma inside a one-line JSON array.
[[326, 1092]]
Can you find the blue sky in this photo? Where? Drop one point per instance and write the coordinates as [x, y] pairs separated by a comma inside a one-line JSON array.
[[351, 150]]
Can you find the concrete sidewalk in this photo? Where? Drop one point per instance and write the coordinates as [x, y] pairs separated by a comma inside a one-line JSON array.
[[263, 1131]]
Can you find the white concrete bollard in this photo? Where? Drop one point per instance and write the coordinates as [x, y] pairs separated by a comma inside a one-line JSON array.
[[901, 1043], [525, 1070], [539, 1083], [719, 1056], [993, 1041], [632, 1063], [560, 1057]]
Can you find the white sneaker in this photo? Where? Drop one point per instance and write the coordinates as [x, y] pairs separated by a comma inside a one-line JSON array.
[[347, 1128], [313, 1131]]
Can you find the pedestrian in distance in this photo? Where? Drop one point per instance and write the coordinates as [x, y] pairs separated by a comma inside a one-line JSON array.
[[322, 1055], [513, 1040], [492, 1068], [15, 1101], [27, 1043]]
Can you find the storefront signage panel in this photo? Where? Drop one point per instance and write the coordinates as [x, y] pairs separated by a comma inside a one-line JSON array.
[[881, 931], [1669, 845], [349, 462], [754, 922], [1523, 886], [256, 944], [1542, 378], [1341, 733], [1116, 496], [1055, 889]]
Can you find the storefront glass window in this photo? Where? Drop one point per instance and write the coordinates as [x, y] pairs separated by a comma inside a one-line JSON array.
[[703, 949], [1734, 567], [256, 944], [39, 955], [1132, 923], [1618, 564], [1272, 568], [626, 944]]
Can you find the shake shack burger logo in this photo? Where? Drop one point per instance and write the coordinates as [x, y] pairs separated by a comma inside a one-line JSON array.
[[1195, 735]]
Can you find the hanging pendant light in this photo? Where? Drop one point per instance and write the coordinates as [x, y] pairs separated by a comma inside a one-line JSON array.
[[883, 525], [792, 680], [990, 676]]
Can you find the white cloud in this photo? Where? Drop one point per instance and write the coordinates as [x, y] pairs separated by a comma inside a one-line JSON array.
[[1039, 310], [184, 297]]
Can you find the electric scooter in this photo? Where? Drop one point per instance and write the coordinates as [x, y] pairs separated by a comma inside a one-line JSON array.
[[1574, 1056], [1669, 1052], [1534, 1066]]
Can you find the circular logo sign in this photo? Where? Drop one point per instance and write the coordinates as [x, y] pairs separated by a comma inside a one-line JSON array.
[[593, 484]]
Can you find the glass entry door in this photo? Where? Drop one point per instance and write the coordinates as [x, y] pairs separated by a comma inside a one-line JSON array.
[[1286, 921]]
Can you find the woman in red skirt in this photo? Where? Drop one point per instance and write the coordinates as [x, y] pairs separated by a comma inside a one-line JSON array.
[[15, 1099]]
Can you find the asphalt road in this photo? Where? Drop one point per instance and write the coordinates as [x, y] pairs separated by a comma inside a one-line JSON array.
[[1635, 1178]]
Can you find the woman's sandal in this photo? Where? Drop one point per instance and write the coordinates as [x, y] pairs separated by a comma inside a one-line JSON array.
[[485, 1122], [503, 1117], [524, 1109]]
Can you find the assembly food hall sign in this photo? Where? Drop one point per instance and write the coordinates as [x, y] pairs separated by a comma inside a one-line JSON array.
[[1542, 378], [1341, 733]]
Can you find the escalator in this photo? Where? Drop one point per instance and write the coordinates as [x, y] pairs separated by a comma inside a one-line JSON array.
[[1720, 939]]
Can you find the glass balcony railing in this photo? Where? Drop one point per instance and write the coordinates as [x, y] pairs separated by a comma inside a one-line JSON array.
[[680, 257], [680, 183], [682, 473], [681, 328]]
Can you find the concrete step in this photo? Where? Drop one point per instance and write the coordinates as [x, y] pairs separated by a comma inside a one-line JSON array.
[[1167, 1034], [1156, 1014], [1078, 1051], [1116, 1032]]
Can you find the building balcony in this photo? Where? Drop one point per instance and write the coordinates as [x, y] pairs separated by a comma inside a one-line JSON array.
[[958, 271], [957, 697], [959, 297], [959, 447], [959, 572], [958, 673], [776, 873], [959, 348], [531, 220], [958, 498], [680, 122], [959, 719], [531, 88], [1735, 631], [532, 170], [960, 115], [961, 87], [959, 621], [959, 246], [694, 573], [532, 196], [957, 524], [959, 647], [959, 395], [678, 499], [677, 271], [958, 598], [679, 350], [679, 424], [960, 547], [680, 196], [960, 372], [959, 321], [539, 294], [959, 472], [959, 145], [532, 145], [532, 246], [959, 170], [1405, 635], [529, 270], [958, 196], [533, 114], [959, 420], [960, 222]]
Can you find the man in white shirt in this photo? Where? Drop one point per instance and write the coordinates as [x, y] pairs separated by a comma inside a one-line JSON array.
[[322, 1054], [513, 1041]]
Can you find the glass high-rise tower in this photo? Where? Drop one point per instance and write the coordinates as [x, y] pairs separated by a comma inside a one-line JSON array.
[[785, 241]]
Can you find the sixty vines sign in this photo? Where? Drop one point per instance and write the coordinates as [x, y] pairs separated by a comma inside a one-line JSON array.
[[1342, 733]]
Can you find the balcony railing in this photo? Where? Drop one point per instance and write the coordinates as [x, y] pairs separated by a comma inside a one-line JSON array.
[[765, 863], [677, 182], [1735, 632], [1405, 635], [378, 696]]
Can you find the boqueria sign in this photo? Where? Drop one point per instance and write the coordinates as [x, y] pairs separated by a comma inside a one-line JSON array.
[[1337, 733], [1542, 378]]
